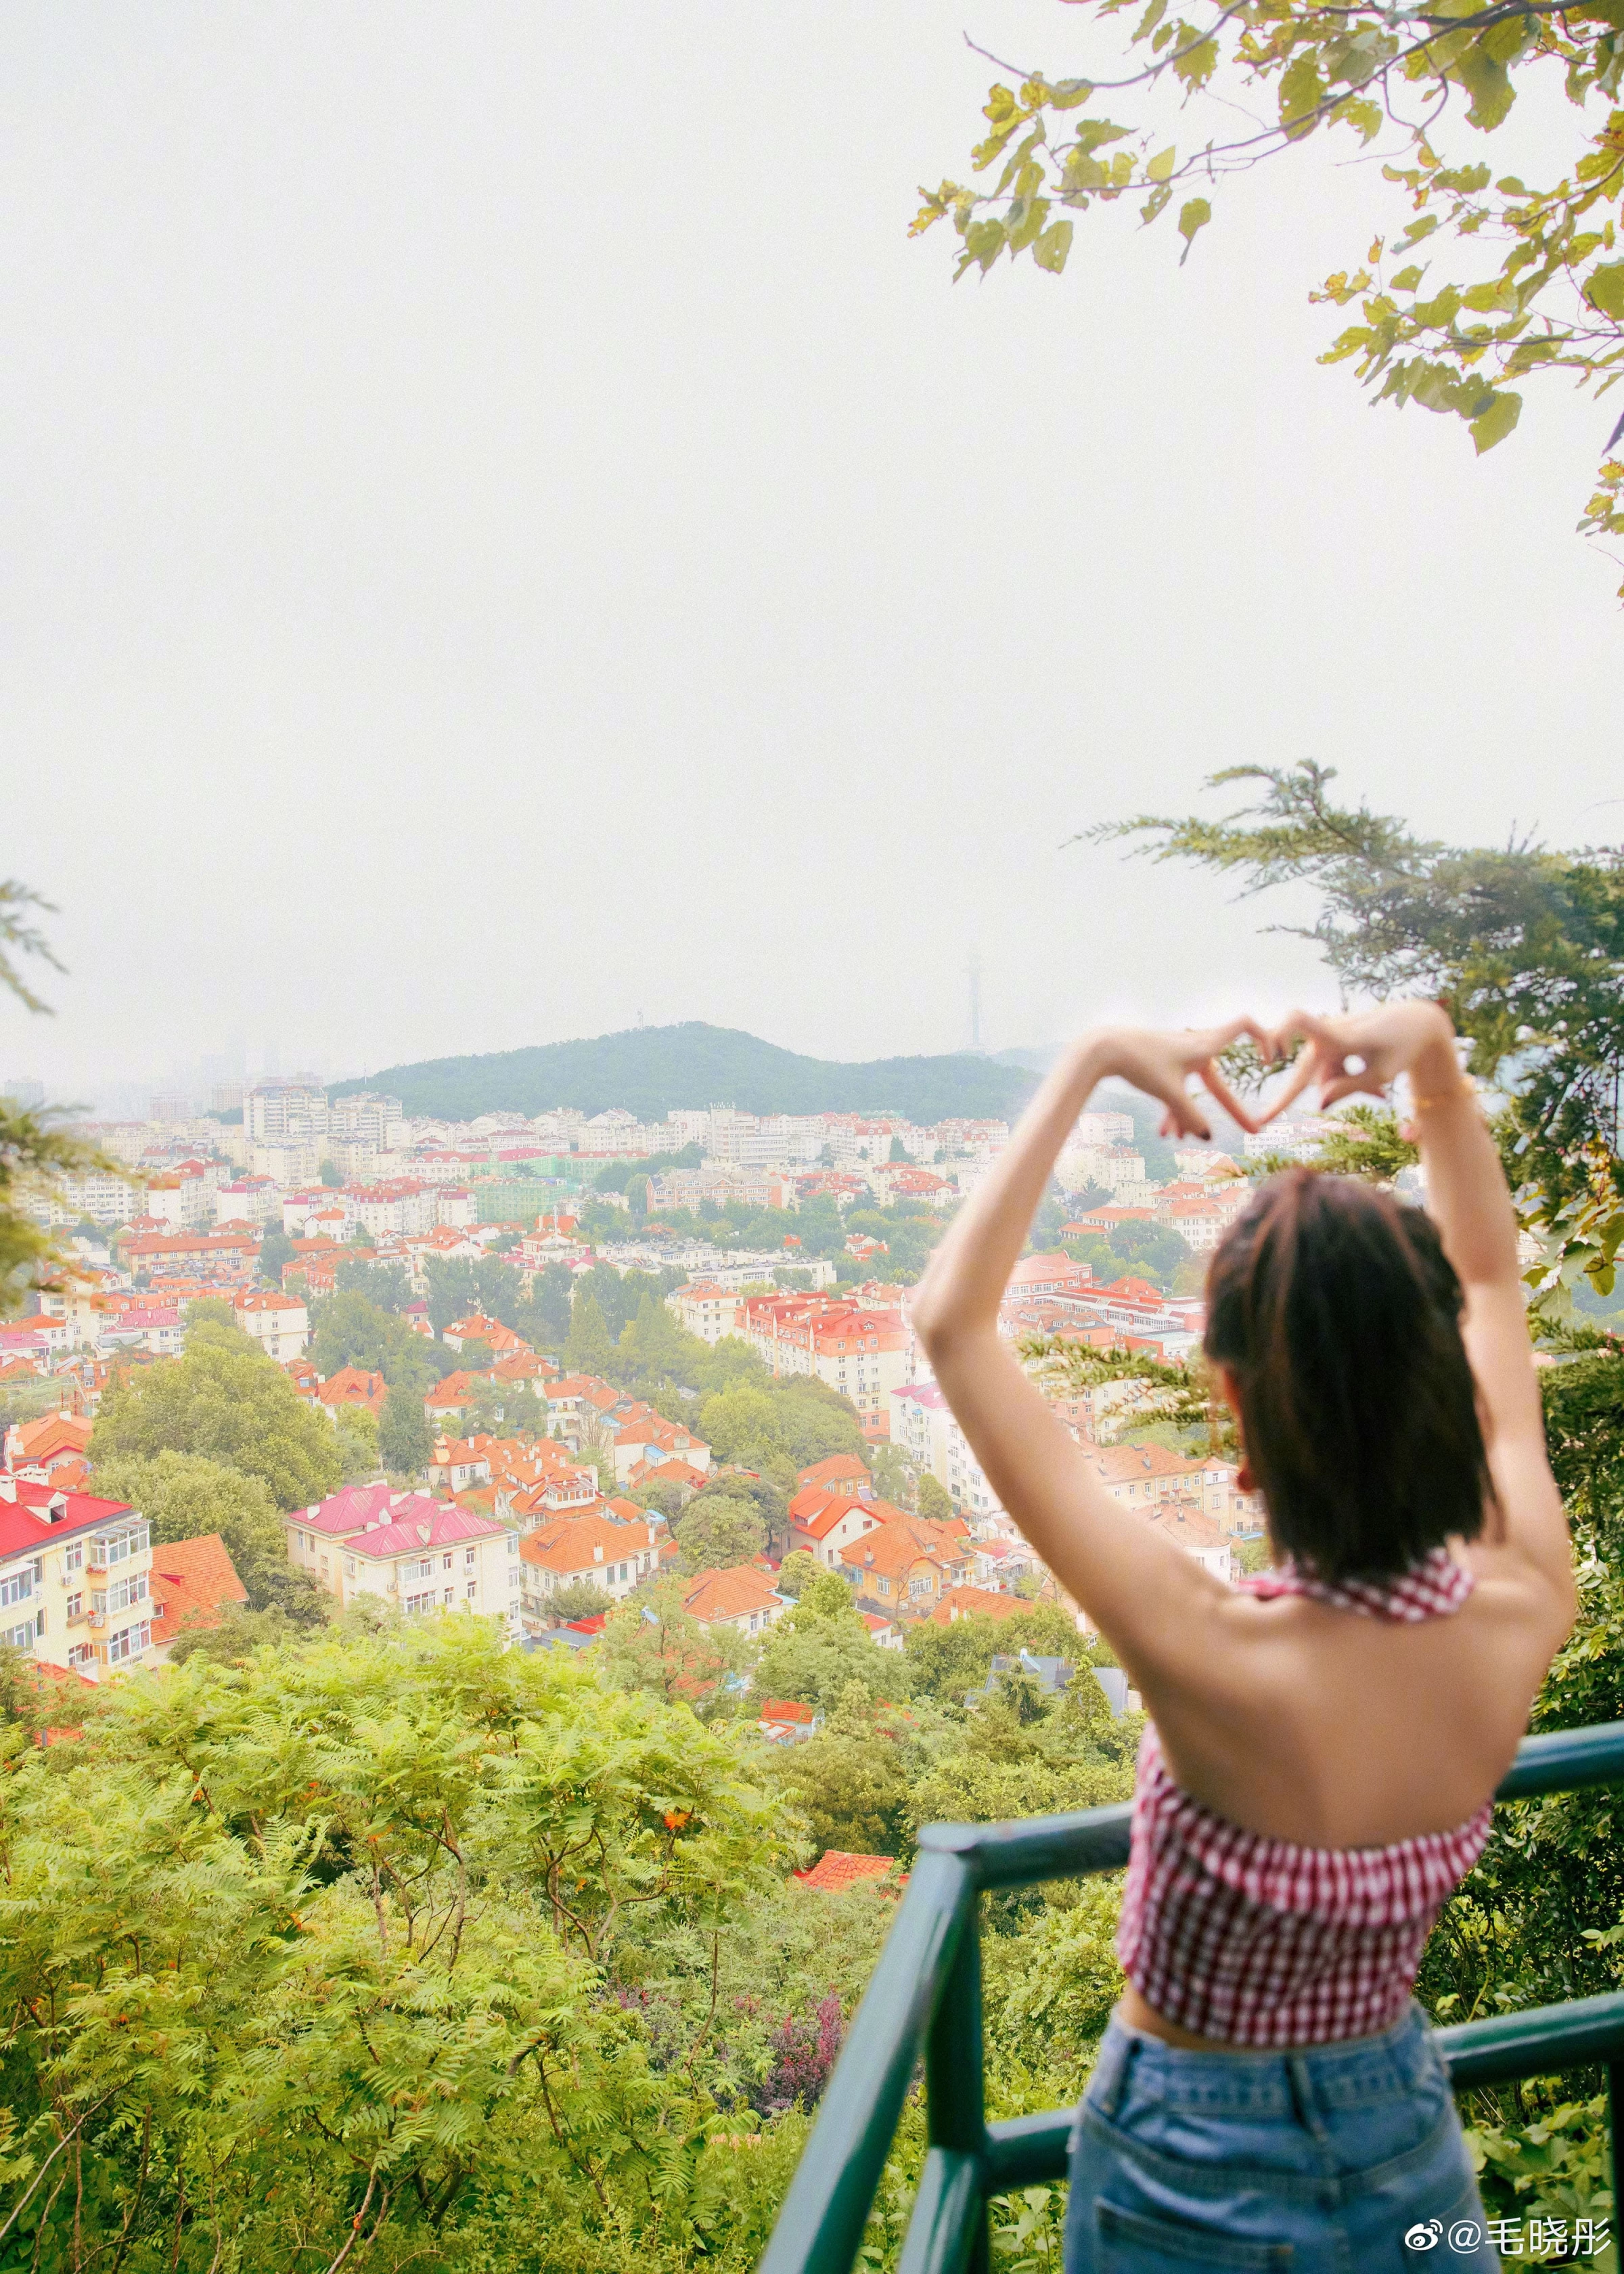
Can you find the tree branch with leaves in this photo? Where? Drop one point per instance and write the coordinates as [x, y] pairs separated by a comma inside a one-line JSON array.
[[1544, 285]]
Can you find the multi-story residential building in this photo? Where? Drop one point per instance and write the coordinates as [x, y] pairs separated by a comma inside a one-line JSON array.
[[222, 1257], [282, 1112], [425, 1556], [247, 1199], [279, 1323], [75, 1577], [863, 1355], [1148, 1476], [365, 1117], [1188, 1526], [740, 1597], [907, 1564], [826, 1522], [612, 1554], [101, 1194], [399, 1204], [704, 1309]]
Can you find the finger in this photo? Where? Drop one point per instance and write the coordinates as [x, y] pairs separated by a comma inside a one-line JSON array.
[[1186, 1113], [1219, 1090], [1349, 1085], [1307, 1026], [1217, 1039], [1302, 1074]]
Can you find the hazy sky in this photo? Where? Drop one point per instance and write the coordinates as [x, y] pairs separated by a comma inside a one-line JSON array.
[[504, 533]]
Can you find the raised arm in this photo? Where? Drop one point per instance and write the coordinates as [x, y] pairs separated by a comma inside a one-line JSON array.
[[1139, 1589]]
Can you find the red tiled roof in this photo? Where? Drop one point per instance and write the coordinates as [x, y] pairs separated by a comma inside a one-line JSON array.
[[977, 1602], [836, 1868], [192, 1580], [837, 1468], [728, 1594], [26, 1518]]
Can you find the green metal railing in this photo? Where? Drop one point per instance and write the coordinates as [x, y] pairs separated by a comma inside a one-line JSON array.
[[925, 1997]]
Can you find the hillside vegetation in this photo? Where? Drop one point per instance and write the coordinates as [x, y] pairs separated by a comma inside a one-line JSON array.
[[649, 1069]]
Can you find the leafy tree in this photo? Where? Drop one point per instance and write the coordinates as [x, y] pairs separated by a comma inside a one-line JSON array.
[[893, 1479], [654, 1646], [497, 1289], [816, 1650], [387, 1286], [405, 1441], [653, 1346], [332, 1176], [351, 1329], [851, 1782], [717, 1532], [796, 1572], [741, 1425], [184, 1495], [935, 1500], [580, 1600], [546, 1322], [1556, 302], [224, 1399], [342, 1985], [1524, 947], [1584, 1396], [356, 1429], [33, 1156], [451, 1289], [277, 1252], [589, 1349]]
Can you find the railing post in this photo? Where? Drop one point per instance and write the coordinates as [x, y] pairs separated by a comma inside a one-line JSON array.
[[947, 2233], [954, 2072], [1615, 2113]]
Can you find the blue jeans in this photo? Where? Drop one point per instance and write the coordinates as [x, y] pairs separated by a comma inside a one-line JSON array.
[[1321, 2162]]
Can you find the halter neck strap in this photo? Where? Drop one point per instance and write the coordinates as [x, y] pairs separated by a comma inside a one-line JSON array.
[[1430, 1589]]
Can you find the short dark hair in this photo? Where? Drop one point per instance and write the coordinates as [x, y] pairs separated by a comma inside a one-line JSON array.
[[1337, 1312]]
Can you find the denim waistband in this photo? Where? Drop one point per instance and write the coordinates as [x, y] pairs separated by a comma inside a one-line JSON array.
[[1357, 2073]]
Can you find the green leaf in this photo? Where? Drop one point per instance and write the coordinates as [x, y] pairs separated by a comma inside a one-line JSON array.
[[1149, 20], [1162, 165], [1603, 289], [1485, 81], [1093, 134], [1157, 201], [1070, 92], [1194, 213], [1407, 279], [1496, 421], [1302, 91], [1051, 248], [1422, 226]]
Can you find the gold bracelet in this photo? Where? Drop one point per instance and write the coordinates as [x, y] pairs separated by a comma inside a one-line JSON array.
[[1445, 1097]]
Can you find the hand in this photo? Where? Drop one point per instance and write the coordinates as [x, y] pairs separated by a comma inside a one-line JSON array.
[[1160, 1064], [1364, 1051]]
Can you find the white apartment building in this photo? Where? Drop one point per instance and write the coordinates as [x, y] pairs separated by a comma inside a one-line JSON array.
[[704, 1309], [247, 1199], [75, 1579], [365, 1117], [279, 1323], [103, 1197], [289, 1112], [922, 1424]]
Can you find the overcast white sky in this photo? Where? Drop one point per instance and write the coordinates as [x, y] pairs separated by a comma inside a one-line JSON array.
[[505, 534]]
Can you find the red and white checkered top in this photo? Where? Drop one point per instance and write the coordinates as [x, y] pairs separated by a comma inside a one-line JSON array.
[[1256, 1941]]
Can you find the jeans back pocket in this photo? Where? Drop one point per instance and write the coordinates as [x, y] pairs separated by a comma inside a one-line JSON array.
[[1131, 2242]]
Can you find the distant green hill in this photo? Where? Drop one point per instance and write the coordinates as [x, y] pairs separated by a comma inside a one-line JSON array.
[[648, 1070]]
